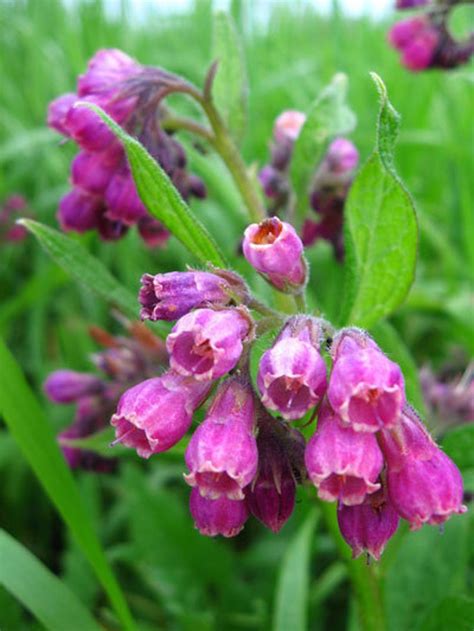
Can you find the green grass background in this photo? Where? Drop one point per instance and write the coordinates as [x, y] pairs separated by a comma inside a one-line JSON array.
[[141, 514]]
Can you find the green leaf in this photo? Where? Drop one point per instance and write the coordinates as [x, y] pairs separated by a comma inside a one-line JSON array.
[[83, 267], [162, 199], [454, 612], [329, 116], [229, 89], [381, 232], [42, 593], [391, 343], [291, 602], [426, 558], [31, 430], [459, 445]]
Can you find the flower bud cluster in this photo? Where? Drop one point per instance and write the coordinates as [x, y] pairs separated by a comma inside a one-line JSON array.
[[122, 362], [103, 195], [424, 40], [329, 188], [370, 453]]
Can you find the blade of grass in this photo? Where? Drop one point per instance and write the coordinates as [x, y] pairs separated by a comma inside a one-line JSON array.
[[28, 425], [42, 593]]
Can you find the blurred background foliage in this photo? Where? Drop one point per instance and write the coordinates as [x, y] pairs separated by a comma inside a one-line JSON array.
[[174, 578]]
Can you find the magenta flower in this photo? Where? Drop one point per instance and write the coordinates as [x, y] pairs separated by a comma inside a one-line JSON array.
[[206, 344], [153, 233], [343, 464], [67, 386], [217, 517], [366, 389], [424, 485], [122, 199], [288, 125], [171, 296], [271, 495], [57, 112], [79, 210], [87, 128], [342, 156], [417, 39], [154, 415], [368, 526], [275, 250], [222, 455], [292, 374], [93, 171], [106, 69]]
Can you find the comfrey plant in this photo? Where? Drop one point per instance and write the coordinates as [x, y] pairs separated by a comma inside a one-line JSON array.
[[122, 362], [329, 185], [370, 452], [103, 195], [275, 389], [424, 41]]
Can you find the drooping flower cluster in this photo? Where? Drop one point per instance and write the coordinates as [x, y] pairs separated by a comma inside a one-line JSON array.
[[329, 188], [370, 453], [12, 209], [123, 362], [424, 41], [103, 195]]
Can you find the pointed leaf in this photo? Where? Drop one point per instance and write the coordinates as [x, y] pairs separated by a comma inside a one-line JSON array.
[[39, 590], [29, 427], [381, 232]]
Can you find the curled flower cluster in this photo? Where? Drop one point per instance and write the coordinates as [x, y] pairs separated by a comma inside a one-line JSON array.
[[104, 196], [370, 453], [424, 40], [329, 187], [123, 362]]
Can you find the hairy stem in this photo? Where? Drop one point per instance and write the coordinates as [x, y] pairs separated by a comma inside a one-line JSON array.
[[364, 578], [229, 153], [176, 123]]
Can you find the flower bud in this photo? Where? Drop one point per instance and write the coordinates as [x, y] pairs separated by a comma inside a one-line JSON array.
[[87, 128], [271, 181], [424, 485], [66, 386], [217, 517], [107, 68], [79, 211], [206, 344], [417, 39], [368, 526], [342, 156], [275, 250], [153, 233], [366, 389], [123, 201], [171, 296], [343, 464], [57, 112], [154, 415], [410, 4], [292, 374], [271, 495], [222, 454], [92, 172], [288, 125]]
